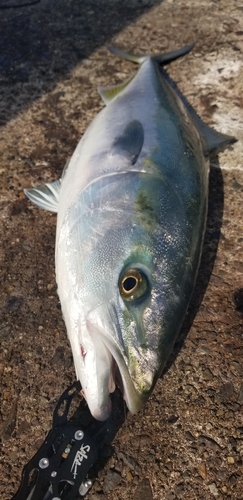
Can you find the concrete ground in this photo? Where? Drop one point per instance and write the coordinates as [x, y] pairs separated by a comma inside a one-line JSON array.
[[187, 442]]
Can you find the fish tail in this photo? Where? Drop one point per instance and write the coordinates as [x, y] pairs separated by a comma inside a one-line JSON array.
[[161, 59]]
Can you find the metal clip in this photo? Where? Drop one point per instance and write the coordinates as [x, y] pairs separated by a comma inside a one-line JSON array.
[[59, 469]]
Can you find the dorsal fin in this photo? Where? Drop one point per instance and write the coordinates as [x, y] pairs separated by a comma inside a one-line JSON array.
[[46, 196], [109, 93], [130, 143]]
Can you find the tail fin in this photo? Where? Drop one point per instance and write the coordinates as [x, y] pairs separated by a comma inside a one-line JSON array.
[[160, 58]]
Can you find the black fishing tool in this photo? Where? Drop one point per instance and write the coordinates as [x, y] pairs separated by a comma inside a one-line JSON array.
[[63, 466]]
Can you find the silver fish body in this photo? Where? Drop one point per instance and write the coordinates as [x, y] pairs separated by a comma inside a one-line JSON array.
[[132, 209]]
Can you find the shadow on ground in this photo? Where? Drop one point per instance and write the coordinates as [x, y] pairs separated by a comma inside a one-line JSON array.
[[42, 42]]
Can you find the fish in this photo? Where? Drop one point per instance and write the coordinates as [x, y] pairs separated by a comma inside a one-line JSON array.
[[131, 213]]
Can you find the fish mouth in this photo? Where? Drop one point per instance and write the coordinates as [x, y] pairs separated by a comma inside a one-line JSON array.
[[106, 363], [113, 372], [120, 377]]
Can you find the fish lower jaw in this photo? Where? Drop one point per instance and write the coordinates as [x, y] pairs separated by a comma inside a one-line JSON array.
[[97, 393], [120, 377], [120, 384], [134, 401]]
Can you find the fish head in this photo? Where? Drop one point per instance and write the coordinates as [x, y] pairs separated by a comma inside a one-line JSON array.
[[119, 258]]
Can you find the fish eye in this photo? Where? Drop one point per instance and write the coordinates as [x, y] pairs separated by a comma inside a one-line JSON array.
[[133, 284]]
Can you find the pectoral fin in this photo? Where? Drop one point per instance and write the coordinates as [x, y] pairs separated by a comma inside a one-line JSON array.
[[46, 196], [130, 143]]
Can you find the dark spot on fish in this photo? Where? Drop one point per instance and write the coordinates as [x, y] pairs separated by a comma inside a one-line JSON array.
[[146, 211], [142, 203]]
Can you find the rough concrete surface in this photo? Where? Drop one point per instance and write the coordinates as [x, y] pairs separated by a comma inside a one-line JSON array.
[[187, 442]]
